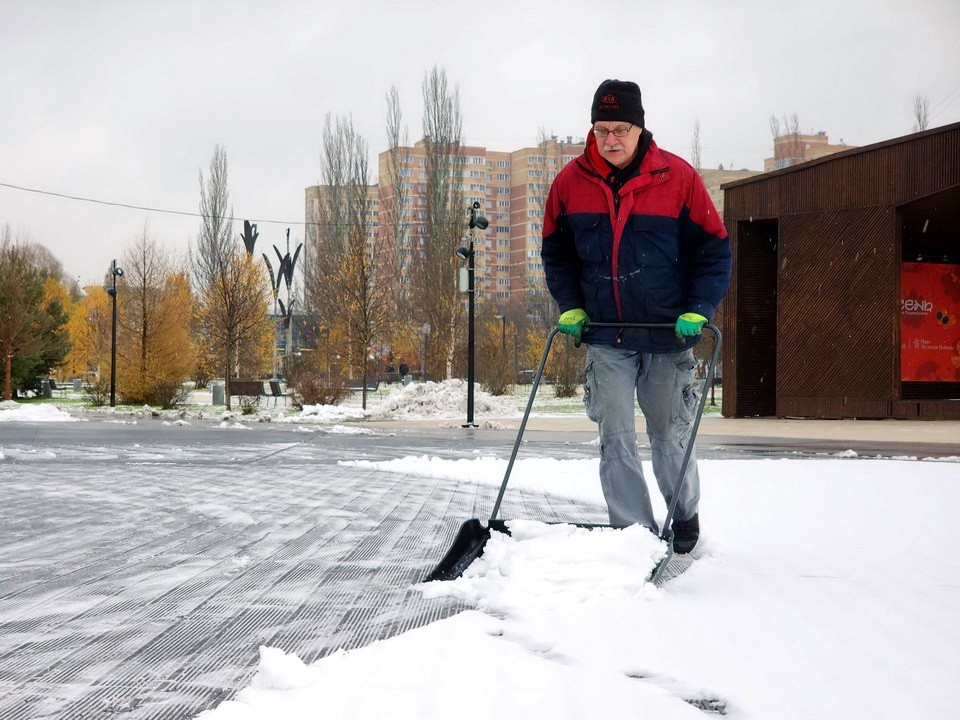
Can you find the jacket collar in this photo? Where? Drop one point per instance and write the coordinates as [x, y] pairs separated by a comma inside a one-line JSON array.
[[652, 165]]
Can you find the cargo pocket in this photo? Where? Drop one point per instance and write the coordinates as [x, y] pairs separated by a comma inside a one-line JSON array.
[[687, 397], [589, 402]]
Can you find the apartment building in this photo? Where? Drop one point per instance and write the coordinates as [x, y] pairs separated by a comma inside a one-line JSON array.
[[714, 179], [511, 188], [792, 149]]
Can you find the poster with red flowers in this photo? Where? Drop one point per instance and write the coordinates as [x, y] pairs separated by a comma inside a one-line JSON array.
[[930, 322]]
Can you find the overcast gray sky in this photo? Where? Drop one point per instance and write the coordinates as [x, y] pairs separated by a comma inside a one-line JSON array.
[[124, 101]]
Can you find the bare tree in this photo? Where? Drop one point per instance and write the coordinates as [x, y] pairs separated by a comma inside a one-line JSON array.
[[394, 215], [232, 290], [348, 287], [921, 112], [695, 151], [787, 143], [435, 296]]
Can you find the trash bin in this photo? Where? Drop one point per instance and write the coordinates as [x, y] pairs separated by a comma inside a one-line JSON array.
[[77, 385], [45, 389], [216, 390]]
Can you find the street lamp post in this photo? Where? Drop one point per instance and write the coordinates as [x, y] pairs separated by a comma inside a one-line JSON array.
[[112, 292], [476, 221]]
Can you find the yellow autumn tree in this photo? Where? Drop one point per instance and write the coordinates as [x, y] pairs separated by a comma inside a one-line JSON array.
[[155, 351], [89, 330]]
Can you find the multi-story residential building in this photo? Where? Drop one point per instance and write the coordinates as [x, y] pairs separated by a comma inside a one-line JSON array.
[[511, 188], [532, 170], [792, 149], [713, 179]]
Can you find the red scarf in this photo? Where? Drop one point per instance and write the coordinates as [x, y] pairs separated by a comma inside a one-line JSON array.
[[596, 159]]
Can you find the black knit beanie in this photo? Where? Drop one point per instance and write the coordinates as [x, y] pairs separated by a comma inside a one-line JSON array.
[[617, 100]]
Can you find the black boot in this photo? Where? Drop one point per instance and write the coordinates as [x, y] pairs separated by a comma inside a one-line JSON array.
[[686, 533]]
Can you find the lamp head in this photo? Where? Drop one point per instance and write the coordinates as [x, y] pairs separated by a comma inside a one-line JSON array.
[[463, 253], [477, 221], [118, 272]]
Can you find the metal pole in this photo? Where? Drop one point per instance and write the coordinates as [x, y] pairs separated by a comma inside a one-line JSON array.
[[113, 341], [470, 337]]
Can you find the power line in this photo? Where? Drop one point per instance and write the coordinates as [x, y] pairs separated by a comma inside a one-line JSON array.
[[403, 225], [937, 109], [140, 207]]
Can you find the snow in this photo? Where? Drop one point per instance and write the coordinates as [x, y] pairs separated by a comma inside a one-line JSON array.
[[828, 588], [16, 412], [445, 400]]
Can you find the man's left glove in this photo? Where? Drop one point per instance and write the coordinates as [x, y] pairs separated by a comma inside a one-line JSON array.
[[689, 325], [571, 322]]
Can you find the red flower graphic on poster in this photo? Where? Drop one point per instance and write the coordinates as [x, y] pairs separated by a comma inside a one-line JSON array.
[[930, 322]]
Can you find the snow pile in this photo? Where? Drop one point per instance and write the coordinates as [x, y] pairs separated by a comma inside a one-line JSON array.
[[15, 412], [469, 666], [346, 430], [321, 414], [443, 400], [233, 426], [542, 567]]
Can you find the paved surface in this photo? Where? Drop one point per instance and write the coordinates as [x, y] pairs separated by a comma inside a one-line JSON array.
[[141, 566], [139, 574]]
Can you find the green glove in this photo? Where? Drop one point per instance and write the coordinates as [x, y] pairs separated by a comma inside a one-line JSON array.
[[571, 322], [690, 325]]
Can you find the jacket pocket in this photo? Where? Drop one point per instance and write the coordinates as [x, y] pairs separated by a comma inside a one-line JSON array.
[[656, 243], [587, 236]]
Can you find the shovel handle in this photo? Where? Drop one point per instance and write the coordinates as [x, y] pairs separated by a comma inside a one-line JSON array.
[[666, 533]]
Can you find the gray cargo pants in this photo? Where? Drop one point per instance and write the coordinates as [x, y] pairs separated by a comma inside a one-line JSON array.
[[666, 389]]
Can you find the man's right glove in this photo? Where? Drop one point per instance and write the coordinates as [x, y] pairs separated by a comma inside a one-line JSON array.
[[571, 323]]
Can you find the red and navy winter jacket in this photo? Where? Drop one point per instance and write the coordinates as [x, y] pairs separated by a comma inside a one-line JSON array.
[[648, 254]]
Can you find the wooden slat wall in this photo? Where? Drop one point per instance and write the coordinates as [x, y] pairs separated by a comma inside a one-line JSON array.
[[838, 281], [838, 338], [728, 353]]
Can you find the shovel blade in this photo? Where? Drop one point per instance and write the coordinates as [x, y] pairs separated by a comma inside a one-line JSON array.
[[467, 546]]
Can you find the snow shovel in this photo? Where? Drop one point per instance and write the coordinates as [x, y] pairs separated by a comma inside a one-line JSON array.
[[473, 535]]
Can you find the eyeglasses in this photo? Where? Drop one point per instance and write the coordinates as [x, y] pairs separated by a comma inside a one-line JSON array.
[[616, 132]]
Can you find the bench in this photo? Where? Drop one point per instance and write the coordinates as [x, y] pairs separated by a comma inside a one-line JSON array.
[[276, 392], [247, 388], [372, 384], [55, 388]]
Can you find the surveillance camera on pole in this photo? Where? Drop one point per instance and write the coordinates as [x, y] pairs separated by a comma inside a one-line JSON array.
[[477, 221]]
